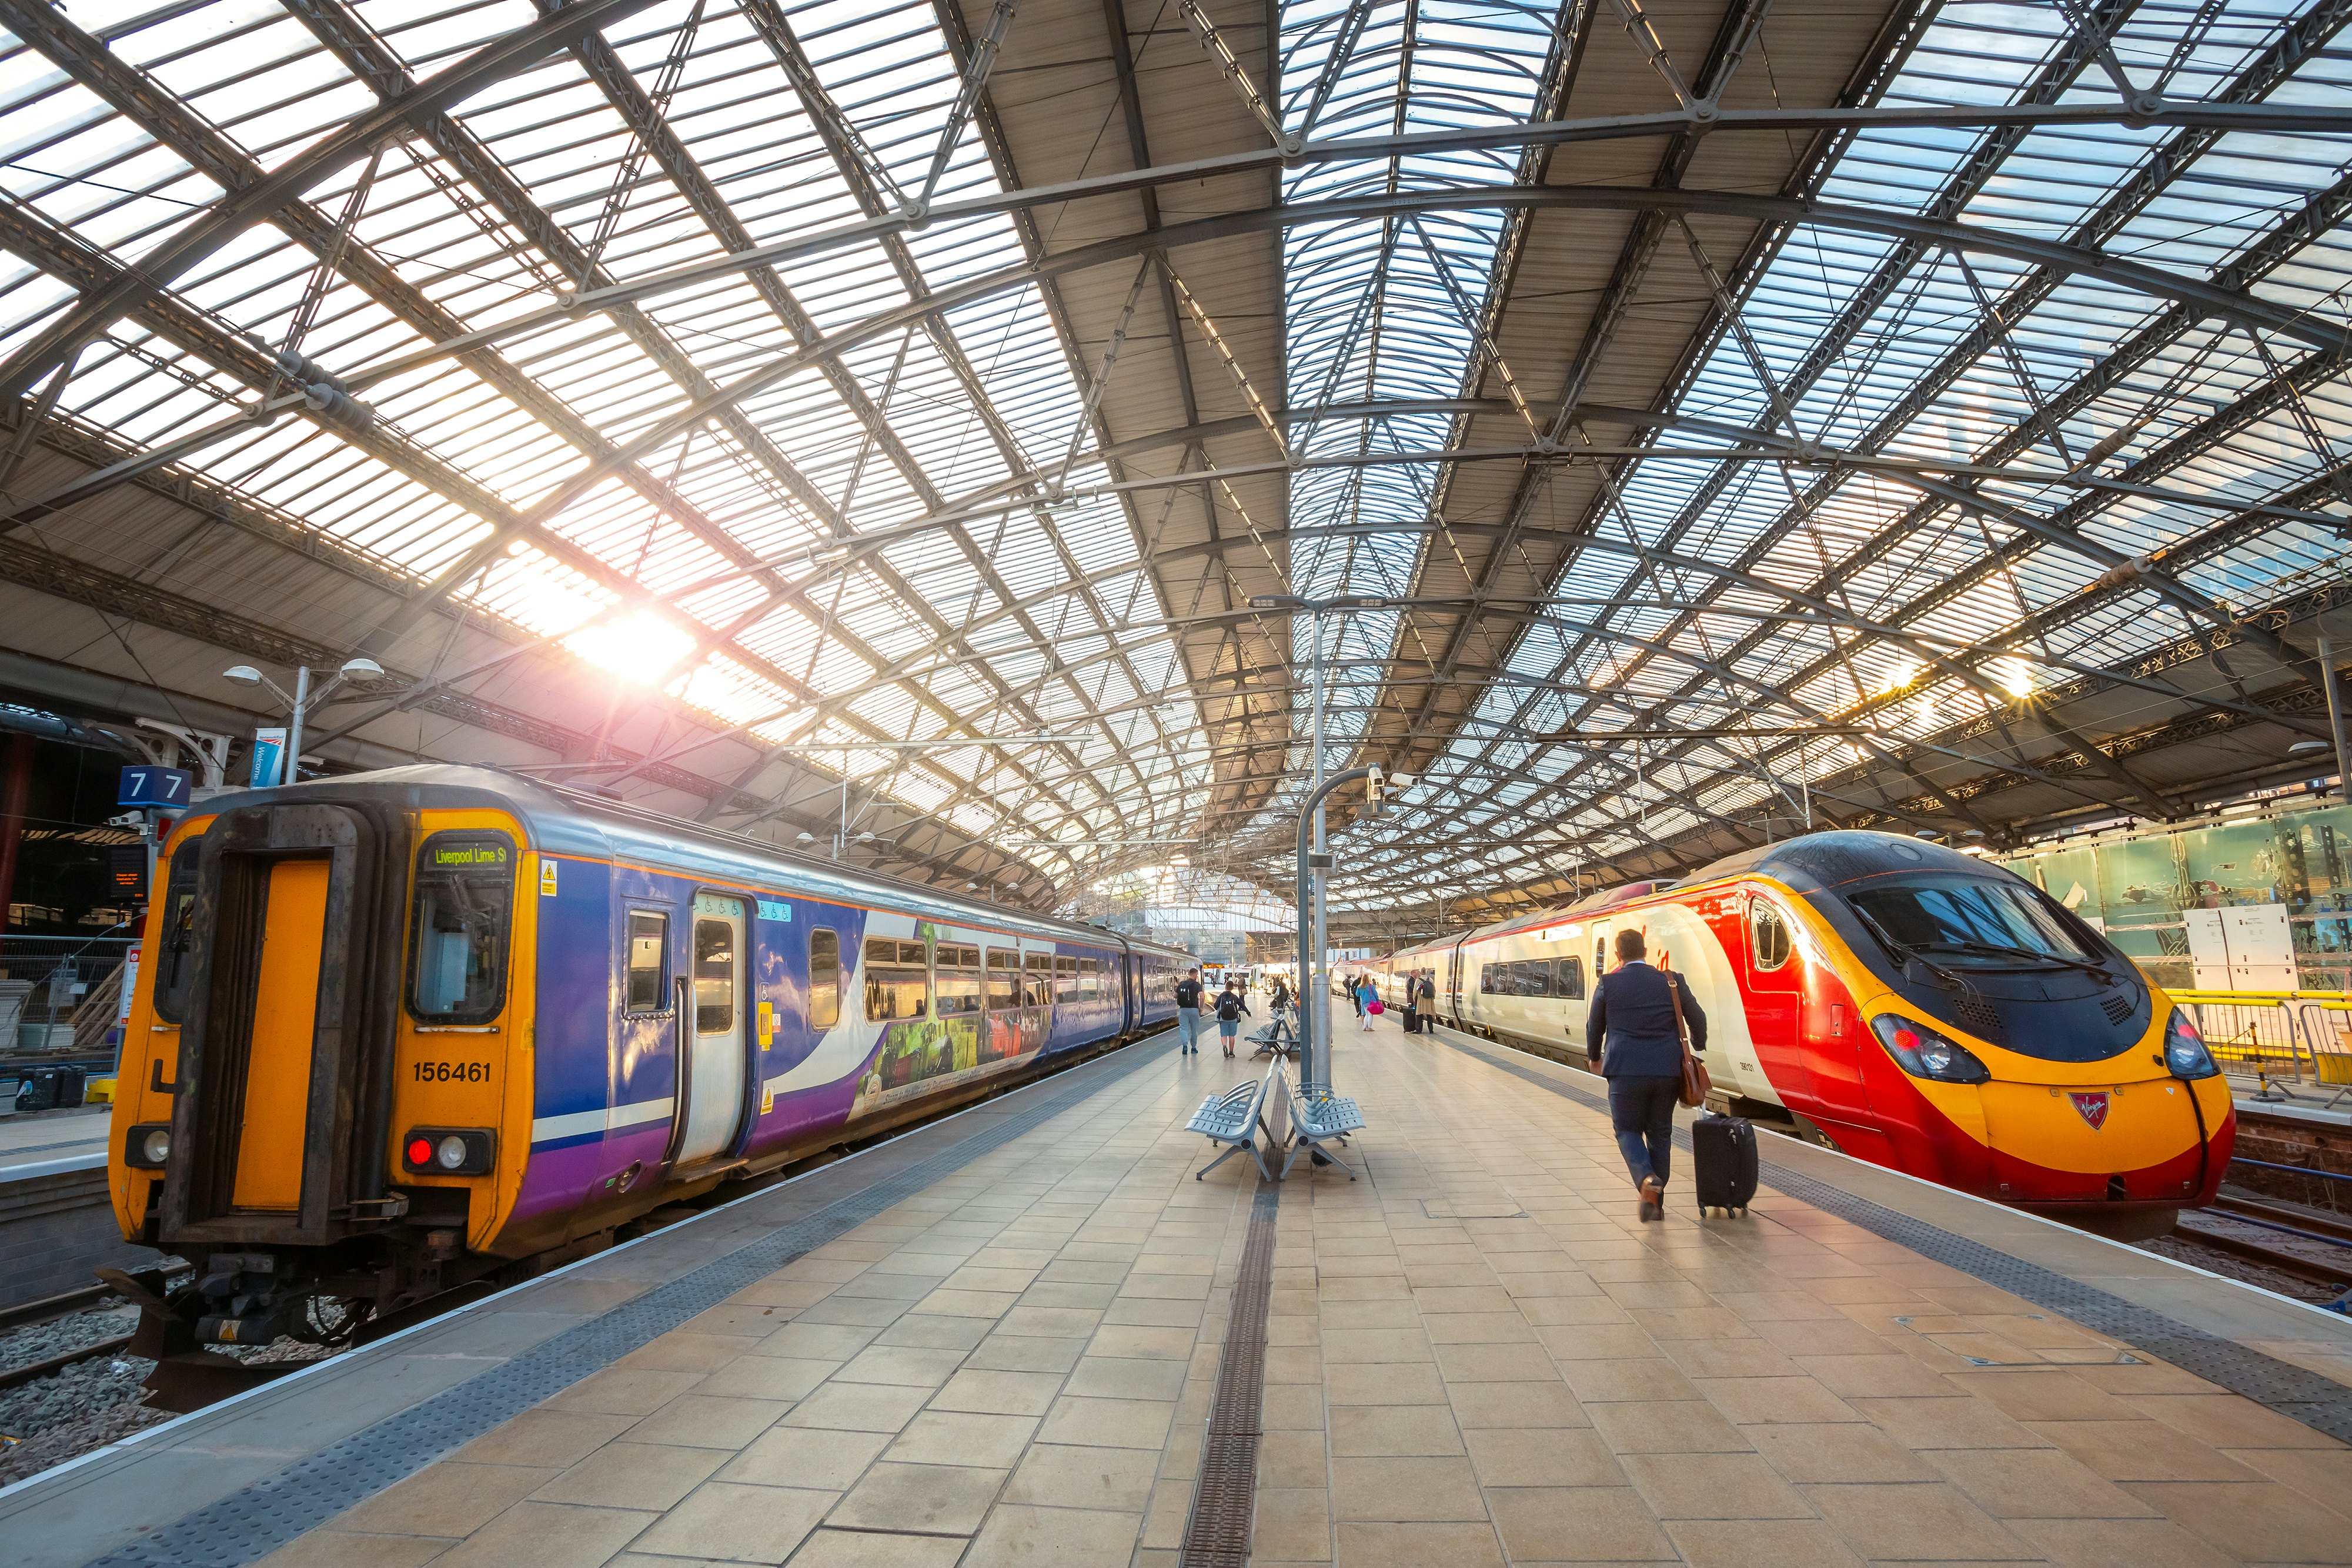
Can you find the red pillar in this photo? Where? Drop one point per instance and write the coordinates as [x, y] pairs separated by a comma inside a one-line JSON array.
[[15, 784]]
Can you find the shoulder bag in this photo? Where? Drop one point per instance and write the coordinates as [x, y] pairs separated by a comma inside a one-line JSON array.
[[1695, 1083]]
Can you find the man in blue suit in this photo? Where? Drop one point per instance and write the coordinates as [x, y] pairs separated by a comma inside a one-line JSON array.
[[1630, 1036]]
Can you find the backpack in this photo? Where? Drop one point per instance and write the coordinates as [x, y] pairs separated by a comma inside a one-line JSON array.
[[1229, 1008]]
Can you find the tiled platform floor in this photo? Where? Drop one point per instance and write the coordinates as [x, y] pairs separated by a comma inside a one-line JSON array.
[[1476, 1357]]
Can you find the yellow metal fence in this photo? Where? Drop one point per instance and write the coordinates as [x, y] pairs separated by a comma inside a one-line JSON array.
[[2278, 1038]]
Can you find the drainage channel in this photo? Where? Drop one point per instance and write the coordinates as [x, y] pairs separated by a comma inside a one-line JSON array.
[[1217, 1534]]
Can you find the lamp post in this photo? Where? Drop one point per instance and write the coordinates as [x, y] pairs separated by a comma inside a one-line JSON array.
[[1314, 981], [1314, 1050], [302, 700]]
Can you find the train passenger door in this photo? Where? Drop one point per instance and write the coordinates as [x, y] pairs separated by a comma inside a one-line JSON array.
[[1772, 973], [712, 1089]]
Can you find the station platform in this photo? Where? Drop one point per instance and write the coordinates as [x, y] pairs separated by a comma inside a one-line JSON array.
[[1027, 1335]]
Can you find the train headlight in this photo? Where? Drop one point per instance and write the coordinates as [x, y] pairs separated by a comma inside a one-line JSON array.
[[2184, 1048], [148, 1147], [1923, 1053], [448, 1151]]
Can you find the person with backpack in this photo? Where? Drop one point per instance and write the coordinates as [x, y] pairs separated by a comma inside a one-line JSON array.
[[1230, 1009], [1633, 1036], [1188, 1013]]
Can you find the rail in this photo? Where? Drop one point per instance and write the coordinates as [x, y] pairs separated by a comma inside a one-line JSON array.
[[2285, 1041]]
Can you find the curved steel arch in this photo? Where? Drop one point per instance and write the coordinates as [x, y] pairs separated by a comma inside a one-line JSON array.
[[2234, 305], [519, 50]]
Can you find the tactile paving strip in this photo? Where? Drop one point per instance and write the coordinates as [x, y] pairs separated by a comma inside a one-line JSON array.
[[2320, 1403], [257, 1520], [1217, 1531]]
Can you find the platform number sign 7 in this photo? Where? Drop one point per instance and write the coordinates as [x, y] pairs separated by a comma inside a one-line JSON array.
[[164, 787]]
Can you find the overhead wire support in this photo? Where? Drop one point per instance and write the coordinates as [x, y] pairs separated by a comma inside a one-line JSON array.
[[626, 172], [830, 122], [1213, 43], [975, 82], [1216, 340], [1645, 34], [1343, 48], [2004, 335], [1058, 486], [323, 393], [1480, 337], [2102, 49]]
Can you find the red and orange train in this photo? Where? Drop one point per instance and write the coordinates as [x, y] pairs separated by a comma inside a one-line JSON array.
[[1907, 1004]]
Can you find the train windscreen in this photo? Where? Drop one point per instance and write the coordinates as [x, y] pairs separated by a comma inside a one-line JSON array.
[[1967, 922], [458, 952]]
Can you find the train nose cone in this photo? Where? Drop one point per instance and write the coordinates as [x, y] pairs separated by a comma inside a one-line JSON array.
[[2113, 1143]]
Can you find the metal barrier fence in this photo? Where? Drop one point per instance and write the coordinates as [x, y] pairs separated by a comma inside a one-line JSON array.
[[49, 983], [2278, 1039]]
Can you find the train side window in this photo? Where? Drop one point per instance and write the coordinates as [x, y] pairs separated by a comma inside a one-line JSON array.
[[1536, 978], [1089, 979], [896, 979], [1065, 980], [1768, 934], [463, 907], [714, 976], [957, 982], [1601, 954], [1003, 980], [825, 977], [1486, 978], [175, 963], [1571, 978], [1041, 980], [649, 961]]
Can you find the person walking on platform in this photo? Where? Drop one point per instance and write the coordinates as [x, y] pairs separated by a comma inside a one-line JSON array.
[[1281, 993], [1230, 1009], [1632, 1035], [1412, 1019], [1188, 1013], [1365, 998], [1356, 993]]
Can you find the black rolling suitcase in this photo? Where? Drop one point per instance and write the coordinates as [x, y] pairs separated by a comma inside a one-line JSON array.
[[1723, 1162]]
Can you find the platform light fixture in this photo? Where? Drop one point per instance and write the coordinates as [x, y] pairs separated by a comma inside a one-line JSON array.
[[301, 702]]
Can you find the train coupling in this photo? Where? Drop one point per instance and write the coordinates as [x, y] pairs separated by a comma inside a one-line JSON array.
[[246, 1299]]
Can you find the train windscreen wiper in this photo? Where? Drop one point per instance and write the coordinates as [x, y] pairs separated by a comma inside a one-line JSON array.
[[1903, 952], [2001, 949]]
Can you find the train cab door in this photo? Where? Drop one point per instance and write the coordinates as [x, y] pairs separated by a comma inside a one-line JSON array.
[[712, 1083], [1772, 974], [281, 1087]]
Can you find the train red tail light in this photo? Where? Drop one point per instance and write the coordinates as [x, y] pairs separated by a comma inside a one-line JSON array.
[[1923, 1053], [450, 1151]]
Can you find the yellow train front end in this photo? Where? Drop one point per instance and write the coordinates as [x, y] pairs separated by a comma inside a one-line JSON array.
[[325, 1092]]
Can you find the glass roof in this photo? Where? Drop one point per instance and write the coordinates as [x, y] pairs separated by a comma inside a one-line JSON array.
[[663, 367]]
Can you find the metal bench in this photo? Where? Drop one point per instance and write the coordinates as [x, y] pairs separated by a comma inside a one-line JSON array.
[[1318, 1121], [1278, 1036], [1230, 1118]]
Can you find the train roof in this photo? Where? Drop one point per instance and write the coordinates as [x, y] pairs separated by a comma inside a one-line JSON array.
[[574, 822], [1814, 863]]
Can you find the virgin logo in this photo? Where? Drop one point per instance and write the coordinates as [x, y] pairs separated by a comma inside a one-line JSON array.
[[2094, 1108]]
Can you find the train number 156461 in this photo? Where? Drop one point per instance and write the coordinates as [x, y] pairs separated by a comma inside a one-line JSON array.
[[453, 1073]]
